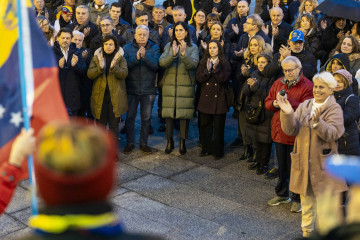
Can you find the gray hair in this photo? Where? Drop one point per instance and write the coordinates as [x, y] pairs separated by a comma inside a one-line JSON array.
[[107, 18], [159, 6], [142, 27], [326, 78], [85, 7], [76, 32], [276, 9], [176, 8], [256, 20], [292, 59]]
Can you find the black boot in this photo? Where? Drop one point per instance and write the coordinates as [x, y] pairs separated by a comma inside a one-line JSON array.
[[169, 146], [182, 149], [248, 153]]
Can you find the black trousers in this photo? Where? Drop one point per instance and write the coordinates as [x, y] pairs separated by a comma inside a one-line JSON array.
[[284, 160], [263, 153], [107, 115], [212, 124], [242, 125], [184, 127]]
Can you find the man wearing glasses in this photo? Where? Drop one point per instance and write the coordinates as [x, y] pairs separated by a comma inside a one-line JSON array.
[[296, 48], [107, 28], [297, 89]]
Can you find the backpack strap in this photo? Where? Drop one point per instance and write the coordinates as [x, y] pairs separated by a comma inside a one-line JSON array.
[[346, 100]]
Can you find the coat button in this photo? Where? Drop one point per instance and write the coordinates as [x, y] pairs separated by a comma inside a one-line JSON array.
[[215, 84], [215, 96], [207, 84], [206, 95]]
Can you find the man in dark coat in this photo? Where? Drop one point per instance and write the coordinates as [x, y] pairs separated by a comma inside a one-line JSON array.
[[142, 57], [71, 67], [107, 28], [142, 19], [169, 6], [40, 9], [159, 22], [179, 16], [120, 24], [82, 23], [277, 29], [296, 48], [219, 7], [235, 28], [334, 33], [252, 27]]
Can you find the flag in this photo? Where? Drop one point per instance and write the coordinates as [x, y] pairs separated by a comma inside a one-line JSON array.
[[43, 94]]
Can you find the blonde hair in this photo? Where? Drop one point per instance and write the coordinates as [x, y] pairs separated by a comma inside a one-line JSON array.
[[326, 78], [343, 79], [71, 148], [263, 48], [302, 6]]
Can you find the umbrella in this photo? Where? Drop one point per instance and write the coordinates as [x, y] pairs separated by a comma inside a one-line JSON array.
[[349, 9], [345, 167]]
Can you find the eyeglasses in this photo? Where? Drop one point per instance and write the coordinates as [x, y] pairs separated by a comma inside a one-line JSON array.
[[105, 25], [289, 70], [249, 23], [298, 43]]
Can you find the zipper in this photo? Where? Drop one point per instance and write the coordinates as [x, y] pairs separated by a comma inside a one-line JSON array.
[[176, 73]]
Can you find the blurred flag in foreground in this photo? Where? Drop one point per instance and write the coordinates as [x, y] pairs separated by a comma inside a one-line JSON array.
[[43, 95]]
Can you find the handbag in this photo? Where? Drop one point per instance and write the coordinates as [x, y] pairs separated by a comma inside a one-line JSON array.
[[229, 94], [254, 114]]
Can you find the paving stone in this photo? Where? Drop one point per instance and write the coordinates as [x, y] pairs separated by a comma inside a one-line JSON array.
[[118, 191], [181, 196], [256, 224], [240, 168], [17, 234], [225, 185], [136, 223], [184, 222], [9, 225], [126, 173], [161, 164], [20, 200], [225, 233]]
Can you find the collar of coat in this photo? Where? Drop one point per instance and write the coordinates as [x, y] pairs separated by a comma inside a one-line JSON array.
[[99, 52]]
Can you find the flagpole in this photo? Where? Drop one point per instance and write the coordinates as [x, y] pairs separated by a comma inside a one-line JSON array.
[[26, 73]]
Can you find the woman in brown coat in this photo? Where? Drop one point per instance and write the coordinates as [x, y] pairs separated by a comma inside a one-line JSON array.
[[317, 124], [108, 70], [213, 74]]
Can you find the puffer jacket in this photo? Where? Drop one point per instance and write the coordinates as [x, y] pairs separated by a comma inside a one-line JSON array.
[[297, 94], [349, 142], [313, 41], [255, 94], [116, 81], [178, 82], [142, 73]]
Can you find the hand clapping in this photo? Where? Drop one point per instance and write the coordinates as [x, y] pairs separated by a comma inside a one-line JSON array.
[[182, 48], [175, 48]]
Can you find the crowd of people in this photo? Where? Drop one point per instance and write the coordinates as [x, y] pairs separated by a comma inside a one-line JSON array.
[[264, 65]]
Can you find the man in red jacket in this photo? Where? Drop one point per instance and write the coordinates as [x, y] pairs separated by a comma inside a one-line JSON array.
[[10, 172], [297, 89]]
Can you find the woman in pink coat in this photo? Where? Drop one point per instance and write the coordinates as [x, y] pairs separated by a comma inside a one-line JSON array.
[[317, 124]]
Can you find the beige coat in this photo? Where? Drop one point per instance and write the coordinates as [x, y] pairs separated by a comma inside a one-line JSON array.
[[308, 160]]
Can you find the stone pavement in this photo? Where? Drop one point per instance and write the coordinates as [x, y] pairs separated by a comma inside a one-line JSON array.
[[183, 197]]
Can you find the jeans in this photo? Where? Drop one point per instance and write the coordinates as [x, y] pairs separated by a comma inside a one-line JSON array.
[[146, 105]]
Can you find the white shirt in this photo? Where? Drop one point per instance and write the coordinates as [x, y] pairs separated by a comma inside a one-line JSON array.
[[65, 53]]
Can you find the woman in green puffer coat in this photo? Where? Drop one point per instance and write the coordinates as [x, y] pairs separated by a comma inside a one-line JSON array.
[[180, 59]]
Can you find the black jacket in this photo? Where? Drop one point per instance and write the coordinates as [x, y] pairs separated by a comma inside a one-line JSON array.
[[96, 42], [313, 41], [69, 77], [230, 35], [153, 36], [265, 15], [244, 40], [94, 31], [349, 143], [282, 37], [141, 73], [207, 5], [255, 94], [329, 39], [172, 3]]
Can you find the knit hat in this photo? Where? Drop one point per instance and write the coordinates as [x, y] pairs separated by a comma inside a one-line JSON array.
[[74, 164], [345, 74], [64, 10]]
